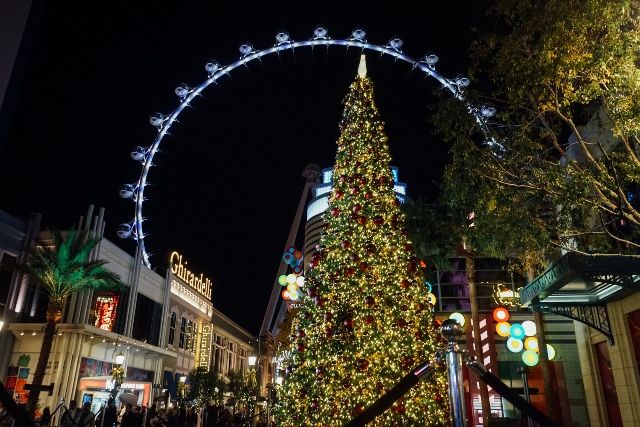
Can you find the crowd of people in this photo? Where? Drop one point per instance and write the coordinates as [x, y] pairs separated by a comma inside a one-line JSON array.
[[139, 416]]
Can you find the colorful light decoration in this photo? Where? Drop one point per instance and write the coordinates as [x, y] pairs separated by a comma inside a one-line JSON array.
[[503, 329], [428, 285], [292, 281], [432, 298], [530, 328], [531, 343], [458, 317], [551, 352], [515, 345], [516, 333], [500, 314], [530, 358]]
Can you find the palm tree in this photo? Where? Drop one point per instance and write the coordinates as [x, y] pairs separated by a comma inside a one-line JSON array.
[[64, 268]]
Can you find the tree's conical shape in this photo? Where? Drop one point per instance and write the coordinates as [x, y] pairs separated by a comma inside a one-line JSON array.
[[366, 319]]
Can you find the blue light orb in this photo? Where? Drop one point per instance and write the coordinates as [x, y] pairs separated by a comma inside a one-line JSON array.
[[487, 111], [517, 331], [139, 153], [462, 81], [127, 191], [124, 231], [246, 49]]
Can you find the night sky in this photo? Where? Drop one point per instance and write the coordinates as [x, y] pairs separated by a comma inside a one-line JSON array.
[[227, 182]]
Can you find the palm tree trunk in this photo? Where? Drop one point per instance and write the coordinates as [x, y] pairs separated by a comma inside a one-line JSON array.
[[54, 313], [475, 321]]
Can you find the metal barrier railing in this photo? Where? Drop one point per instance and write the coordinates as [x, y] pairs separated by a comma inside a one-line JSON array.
[[454, 356]]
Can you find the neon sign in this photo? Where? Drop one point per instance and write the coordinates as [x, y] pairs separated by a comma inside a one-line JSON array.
[[205, 346], [199, 283], [505, 296], [106, 311]]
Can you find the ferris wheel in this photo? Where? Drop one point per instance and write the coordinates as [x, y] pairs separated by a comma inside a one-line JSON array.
[[248, 53]]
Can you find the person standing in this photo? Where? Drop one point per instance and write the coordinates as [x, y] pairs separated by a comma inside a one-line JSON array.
[[128, 418], [69, 415], [84, 417], [45, 419]]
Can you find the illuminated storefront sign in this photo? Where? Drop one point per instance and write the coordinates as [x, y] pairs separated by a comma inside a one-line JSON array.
[[105, 311], [505, 296], [199, 283], [204, 357]]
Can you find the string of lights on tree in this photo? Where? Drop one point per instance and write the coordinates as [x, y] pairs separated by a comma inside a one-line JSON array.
[[216, 73], [365, 320]]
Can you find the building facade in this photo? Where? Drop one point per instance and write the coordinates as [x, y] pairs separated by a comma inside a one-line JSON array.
[[161, 326]]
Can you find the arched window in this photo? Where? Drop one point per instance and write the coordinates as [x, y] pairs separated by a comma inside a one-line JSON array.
[[183, 330], [172, 328]]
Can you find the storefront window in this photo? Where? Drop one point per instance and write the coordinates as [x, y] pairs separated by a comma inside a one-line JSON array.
[[147, 319], [183, 331], [189, 340], [172, 328]]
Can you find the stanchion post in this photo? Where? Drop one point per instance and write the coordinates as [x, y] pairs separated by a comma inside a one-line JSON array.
[[451, 330]]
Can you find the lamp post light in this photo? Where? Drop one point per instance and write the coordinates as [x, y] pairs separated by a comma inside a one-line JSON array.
[[119, 359]]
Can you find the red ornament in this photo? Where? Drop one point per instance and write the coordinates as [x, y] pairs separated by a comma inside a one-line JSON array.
[[362, 364], [329, 332], [368, 195], [312, 292], [319, 371], [355, 190], [328, 316], [437, 398], [383, 179], [314, 263], [412, 267], [405, 284], [364, 266], [408, 247], [301, 334], [362, 181], [407, 362], [335, 212], [369, 300], [378, 220], [359, 409], [354, 257], [357, 208], [345, 244], [419, 336], [371, 248], [318, 301], [362, 220], [401, 323], [301, 347], [348, 272], [339, 195], [342, 179], [368, 319], [399, 408], [348, 323], [314, 405]]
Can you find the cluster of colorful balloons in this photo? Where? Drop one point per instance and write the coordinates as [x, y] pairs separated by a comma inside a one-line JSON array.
[[521, 336], [295, 280]]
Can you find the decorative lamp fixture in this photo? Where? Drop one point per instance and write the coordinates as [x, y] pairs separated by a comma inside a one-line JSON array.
[[503, 329], [515, 345], [252, 360], [458, 317], [517, 331], [183, 379], [531, 343], [551, 351], [530, 358], [530, 328], [500, 314], [119, 359]]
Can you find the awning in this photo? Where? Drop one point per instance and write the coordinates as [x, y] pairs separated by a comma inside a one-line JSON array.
[[579, 287]]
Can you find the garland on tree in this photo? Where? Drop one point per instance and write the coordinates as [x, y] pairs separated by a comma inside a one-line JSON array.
[[366, 319]]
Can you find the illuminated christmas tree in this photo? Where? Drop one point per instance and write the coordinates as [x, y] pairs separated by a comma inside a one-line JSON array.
[[366, 319]]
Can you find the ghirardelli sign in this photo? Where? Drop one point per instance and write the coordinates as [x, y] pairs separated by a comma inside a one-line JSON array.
[[200, 283]]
